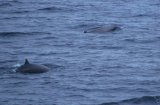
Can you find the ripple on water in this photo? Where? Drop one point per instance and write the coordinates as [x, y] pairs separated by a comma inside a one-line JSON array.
[[55, 9], [142, 41]]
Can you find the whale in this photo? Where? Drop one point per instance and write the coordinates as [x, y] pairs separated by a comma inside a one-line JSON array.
[[103, 29], [28, 67]]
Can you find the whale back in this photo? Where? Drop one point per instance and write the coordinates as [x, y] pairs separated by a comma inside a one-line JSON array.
[[32, 68], [103, 29]]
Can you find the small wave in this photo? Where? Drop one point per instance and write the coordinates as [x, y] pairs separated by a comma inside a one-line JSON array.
[[113, 47], [50, 9], [15, 1], [52, 53], [84, 26], [145, 100], [20, 12], [140, 15], [9, 3], [141, 40], [158, 37], [20, 33], [56, 9], [77, 96], [12, 33], [48, 37], [155, 4], [5, 4], [103, 47]]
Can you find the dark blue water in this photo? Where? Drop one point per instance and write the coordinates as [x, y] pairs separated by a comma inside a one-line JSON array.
[[114, 68]]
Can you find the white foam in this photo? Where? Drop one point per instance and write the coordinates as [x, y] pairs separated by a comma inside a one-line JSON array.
[[15, 67]]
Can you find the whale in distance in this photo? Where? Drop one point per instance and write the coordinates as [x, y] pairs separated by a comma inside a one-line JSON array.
[[32, 68], [103, 29]]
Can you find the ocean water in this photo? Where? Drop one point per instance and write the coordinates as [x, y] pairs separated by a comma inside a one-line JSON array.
[[114, 68]]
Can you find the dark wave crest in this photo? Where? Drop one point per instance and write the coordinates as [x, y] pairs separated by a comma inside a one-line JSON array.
[[132, 40], [56, 9], [141, 15], [8, 3], [20, 12], [145, 100], [20, 33], [5, 4], [50, 9]]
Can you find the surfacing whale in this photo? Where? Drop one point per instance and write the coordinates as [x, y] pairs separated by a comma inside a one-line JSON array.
[[103, 29], [32, 68]]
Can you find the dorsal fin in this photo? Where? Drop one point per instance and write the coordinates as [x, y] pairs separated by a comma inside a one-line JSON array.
[[26, 61]]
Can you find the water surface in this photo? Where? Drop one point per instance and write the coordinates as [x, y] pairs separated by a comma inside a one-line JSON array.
[[86, 68]]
